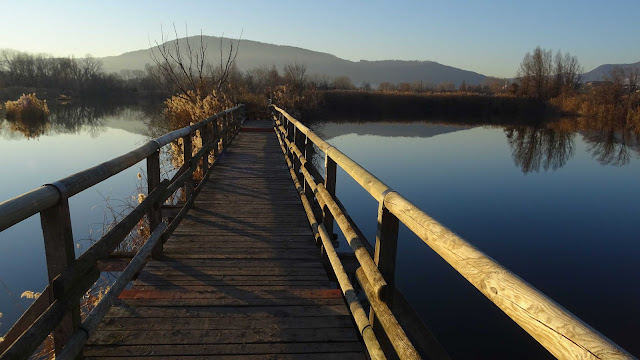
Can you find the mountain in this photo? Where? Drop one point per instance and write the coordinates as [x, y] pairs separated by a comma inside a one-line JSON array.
[[254, 54], [602, 71]]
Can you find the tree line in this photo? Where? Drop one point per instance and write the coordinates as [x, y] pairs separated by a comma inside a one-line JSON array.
[[21, 69]]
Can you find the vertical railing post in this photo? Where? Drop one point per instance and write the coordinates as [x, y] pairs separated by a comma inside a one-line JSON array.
[[204, 134], [229, 128], [296, 162], [59, 250], [329, 184], [385, 254], [237, 116], [214, 134], [187, 153], [285, 133], [223, 129], [291, 128], [154, 215], [308, 154], [285, 125], [234, 124]]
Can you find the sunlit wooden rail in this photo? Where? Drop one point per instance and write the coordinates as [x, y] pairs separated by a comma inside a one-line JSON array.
[[235, 270], [563, 334]]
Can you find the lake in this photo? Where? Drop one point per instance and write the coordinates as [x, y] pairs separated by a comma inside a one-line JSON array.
[[557, 207], [75, 138]]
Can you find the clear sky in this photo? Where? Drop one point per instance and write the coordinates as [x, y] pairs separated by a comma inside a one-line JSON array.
[[489, 37]]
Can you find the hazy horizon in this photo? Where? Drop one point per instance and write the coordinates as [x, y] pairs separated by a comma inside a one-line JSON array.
[[490, 40]]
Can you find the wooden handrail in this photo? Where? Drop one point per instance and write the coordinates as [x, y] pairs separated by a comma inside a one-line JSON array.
[[327, 201], [21, 207], [558, 330], [367, 180], [91, 322], [71, 278], [563, 334], [368, 269], [358, 313]]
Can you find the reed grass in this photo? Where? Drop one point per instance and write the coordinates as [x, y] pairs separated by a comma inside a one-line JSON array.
[[27, 107]]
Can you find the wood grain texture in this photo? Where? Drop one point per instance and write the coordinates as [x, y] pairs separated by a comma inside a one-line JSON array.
[[241, 277], [58, 244], [555, 328]]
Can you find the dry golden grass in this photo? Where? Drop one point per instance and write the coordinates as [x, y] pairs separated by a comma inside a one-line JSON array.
[[27, 107], [183, 110], [600, 109]]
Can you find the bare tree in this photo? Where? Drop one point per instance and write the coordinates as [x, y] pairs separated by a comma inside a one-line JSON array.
[[90, 66], [542, 76], [343, 83], [568, 74], [295, 75], [633, 78], [184, 66]]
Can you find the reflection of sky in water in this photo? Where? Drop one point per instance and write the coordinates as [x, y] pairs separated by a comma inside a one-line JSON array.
[[29, 163], [571, 232]]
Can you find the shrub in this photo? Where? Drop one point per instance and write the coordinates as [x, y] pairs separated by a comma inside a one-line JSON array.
[[183, 111], [27, 107]]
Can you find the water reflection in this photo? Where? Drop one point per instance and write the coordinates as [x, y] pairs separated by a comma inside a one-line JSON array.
[[73, 138], [30, 128], [472, 181], [68, 119], [534, 148], [543, 147], [612, 146]]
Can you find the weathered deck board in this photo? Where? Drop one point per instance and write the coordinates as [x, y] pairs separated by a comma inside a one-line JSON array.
[[243, 278]]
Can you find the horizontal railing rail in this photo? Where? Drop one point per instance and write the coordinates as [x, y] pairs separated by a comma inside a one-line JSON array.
[[377, 286], [21, 207], [57, 310], [563, 334]]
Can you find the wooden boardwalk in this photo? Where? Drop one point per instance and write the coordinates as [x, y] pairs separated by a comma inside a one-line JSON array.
[[243, 278]]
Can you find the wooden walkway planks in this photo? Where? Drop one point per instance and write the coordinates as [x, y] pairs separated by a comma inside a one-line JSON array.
[[243, 277]]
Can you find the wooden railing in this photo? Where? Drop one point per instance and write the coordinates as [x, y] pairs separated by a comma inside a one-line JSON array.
[[57, 309], [560, 332]]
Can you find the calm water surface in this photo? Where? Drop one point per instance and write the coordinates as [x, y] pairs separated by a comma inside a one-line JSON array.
[[560, 209], [75, 138]]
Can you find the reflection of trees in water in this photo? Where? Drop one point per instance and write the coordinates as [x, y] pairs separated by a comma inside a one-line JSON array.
[[30, 128], [611, 145], [611, 141], [73, 118], [69, 118], [535, 148]]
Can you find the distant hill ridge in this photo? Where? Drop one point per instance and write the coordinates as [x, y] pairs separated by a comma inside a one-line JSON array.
[[602, 71], [254, 54]]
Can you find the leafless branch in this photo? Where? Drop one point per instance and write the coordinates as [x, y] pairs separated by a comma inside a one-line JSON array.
[[182, 64]]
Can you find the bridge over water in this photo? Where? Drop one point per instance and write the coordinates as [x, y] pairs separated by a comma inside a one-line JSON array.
[[246, 266]]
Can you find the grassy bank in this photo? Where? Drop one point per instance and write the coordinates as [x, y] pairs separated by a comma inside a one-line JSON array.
[[53, 94]]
